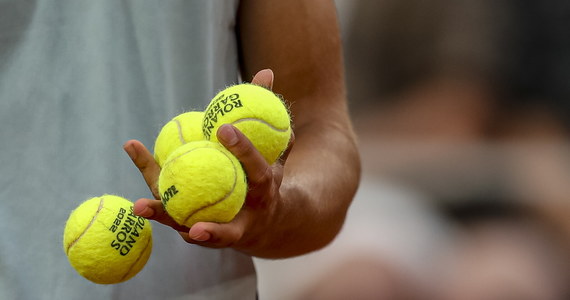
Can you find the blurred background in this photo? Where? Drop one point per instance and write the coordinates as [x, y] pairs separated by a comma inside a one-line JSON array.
[[462, 110]]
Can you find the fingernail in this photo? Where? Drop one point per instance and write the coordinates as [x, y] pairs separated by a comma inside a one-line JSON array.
[[267, 73], [272, 76], [142, 210], [130, 149], [201, 236], [227, 134]]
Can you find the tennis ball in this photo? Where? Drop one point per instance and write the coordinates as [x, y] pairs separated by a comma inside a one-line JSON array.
[[105, 242], [180, 130], [257, 112], [202, 181]]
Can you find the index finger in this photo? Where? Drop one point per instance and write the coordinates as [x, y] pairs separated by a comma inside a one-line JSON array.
[[255, 166], [144, 160]]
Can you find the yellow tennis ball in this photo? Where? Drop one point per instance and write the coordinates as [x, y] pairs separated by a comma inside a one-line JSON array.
[[202, 181], [105, 242], [180, 130], [257, 112]]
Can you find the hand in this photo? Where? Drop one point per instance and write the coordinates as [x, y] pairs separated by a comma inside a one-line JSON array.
[[264, 182]]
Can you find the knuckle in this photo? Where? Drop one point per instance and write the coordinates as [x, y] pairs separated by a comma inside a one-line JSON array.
[[234, 236], [242, 150], [231, 237], [262, 177]]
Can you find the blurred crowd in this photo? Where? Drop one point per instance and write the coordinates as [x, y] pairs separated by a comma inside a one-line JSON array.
[[466, 106]]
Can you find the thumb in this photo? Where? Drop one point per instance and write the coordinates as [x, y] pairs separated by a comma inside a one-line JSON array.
[[264, 78]]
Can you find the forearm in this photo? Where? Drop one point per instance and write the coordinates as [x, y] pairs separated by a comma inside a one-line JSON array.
[[322, 176], [300, 41]]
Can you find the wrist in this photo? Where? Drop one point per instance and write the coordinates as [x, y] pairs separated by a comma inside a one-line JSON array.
[[272, 225]]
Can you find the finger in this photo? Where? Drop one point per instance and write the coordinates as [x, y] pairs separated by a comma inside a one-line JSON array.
[[216, 235], [153, 210], [144, 160], [264, 78], [257, 169]]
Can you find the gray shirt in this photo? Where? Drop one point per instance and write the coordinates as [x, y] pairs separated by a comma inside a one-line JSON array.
[[78, 78]]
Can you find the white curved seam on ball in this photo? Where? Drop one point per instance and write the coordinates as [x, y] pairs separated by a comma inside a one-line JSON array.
[[86, 228], [261, 121], [180, 135], [226, 196], [171, 160]]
